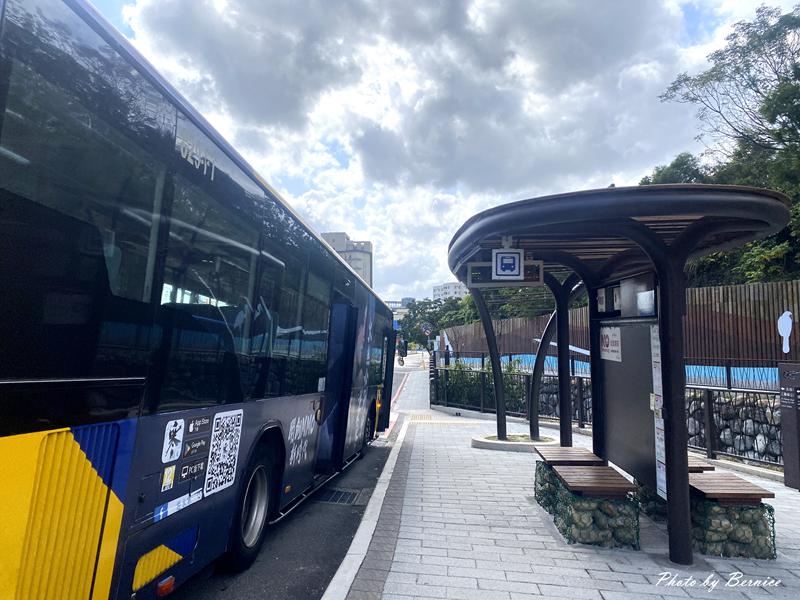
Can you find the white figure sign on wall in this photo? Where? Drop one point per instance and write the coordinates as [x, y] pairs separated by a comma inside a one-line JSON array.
[[785, 329]]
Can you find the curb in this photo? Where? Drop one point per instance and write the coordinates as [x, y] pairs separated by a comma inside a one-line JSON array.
[[743, 468], [339, 586], [392, 422], [474, 414], [503, 446]]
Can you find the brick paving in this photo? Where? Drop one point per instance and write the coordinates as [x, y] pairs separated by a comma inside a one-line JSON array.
[[461, 523]]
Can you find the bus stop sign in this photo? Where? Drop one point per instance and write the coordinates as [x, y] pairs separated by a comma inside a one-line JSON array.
[[507, 264]]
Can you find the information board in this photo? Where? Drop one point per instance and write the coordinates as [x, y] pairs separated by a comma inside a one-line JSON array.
[[789, 379], [657, 404], [482, 274], [610, 344], [627, 386]]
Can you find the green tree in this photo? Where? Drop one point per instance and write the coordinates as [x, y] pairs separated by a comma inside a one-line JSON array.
[[750, 91], [419, 313], [771, 259], [778, 256], [503, 303], [509, 302], [749, 105], [684, 168]]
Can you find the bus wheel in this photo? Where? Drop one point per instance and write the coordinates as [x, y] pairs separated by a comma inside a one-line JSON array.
[[252, 513]]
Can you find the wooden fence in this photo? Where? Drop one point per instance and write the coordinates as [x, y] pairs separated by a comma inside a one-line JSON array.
[[517, 335], [737, 322]]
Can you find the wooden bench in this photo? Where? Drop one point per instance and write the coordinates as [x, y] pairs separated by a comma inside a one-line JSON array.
[[727, 488], [596, 481], [547, 484], [698, 465], [574, 456]]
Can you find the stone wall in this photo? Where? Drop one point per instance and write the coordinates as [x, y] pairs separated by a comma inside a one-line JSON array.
[[746, 424], [548, 397]]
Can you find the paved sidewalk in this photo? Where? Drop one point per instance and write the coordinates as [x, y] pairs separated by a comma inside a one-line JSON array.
[[462, 523]]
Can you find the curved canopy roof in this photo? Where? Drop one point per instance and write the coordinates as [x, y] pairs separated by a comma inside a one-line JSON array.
[[606, 233]]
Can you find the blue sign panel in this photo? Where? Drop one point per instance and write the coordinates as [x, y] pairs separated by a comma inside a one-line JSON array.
[[507, 265]]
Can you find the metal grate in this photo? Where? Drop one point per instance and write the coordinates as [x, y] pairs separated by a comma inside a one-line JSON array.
[[337, 496]]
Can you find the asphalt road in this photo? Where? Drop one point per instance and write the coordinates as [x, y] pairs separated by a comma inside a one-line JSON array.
[[301, 553]]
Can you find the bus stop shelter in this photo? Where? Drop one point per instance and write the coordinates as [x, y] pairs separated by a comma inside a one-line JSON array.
[[628, 248]]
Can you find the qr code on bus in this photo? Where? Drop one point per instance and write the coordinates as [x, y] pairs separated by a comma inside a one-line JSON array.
[[224, 451]]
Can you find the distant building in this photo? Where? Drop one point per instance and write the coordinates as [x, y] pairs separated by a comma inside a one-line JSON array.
[[356, 254], [406, 301], [399, 311], [451, 289]]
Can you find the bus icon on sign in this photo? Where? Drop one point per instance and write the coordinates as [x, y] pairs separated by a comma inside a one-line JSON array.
[[507, 265]]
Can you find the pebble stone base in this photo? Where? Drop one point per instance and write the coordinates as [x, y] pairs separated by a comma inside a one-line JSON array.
[[546, 486], [650, 503], [610, 523], [733, 530]]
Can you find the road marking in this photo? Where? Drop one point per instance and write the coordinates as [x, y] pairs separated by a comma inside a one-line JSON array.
[[339, 586]]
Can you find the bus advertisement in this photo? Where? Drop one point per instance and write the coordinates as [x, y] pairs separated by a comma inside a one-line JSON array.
[[182, 360]]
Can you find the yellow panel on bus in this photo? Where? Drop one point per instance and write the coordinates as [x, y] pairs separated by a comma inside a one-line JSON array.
[[51, 521]]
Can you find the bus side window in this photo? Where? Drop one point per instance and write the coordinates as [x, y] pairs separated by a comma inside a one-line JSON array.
[[316, 317], [78, 187], [207, 307], [265, 323]]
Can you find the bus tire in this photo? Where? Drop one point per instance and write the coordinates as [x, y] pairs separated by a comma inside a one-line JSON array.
[[253, 510]]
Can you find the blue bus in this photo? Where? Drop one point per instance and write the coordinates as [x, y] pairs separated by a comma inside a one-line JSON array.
[[182, 359]]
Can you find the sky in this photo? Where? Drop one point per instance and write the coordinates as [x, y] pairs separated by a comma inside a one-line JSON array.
[[396, 120]]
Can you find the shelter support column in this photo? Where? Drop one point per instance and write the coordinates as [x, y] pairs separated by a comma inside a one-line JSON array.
[[536, 378], [561, 293], [672, 301], [575, 287], [494, 359], [596, 372], [564, 381]]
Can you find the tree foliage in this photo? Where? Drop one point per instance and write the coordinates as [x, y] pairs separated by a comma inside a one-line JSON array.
[[685, 168], [503, 303], [750, 92], [749, 105], [774, 258], [439, 314]]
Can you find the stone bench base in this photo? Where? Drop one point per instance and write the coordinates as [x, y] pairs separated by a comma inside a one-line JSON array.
[[610, 523], [733, 530], [650, 503], [546, 486], [596, 521]]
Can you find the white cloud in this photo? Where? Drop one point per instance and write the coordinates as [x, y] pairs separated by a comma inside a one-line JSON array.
[[396, 121]]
